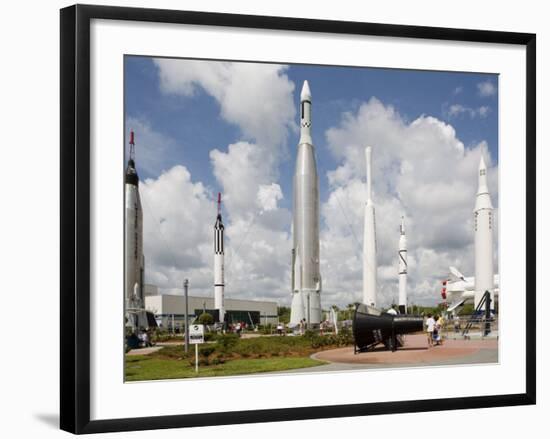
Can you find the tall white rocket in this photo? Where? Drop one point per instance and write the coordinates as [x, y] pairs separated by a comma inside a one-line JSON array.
[[402, 269], [305, 272], [369, 240], [219, 283], [134, 261], [483, 227]]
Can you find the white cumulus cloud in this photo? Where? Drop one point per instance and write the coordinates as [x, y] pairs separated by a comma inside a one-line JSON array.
[[456, 110], [258, 99], [486, 88], [420, 170], [268, 196], [178, 219]]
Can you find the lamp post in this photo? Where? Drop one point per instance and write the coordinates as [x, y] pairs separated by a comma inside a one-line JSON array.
[[185, 287]]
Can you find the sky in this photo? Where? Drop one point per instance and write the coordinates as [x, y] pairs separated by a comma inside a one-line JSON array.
[[204, 127]]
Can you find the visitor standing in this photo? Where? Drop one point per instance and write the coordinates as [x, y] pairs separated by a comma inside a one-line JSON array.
[[430, 327]]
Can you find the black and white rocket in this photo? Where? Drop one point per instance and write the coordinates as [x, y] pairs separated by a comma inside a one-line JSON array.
[[483, 238], [133, 244], [219, 283], [402, 268], [305, 271]]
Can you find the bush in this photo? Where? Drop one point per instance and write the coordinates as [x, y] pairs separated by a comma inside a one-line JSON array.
[[205, 319], [210, 336], [226, 342], [345, 337], [206, 350], [266, 329]]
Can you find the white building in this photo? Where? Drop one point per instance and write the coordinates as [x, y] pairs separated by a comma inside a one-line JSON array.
[[168, 308], [150, 290]]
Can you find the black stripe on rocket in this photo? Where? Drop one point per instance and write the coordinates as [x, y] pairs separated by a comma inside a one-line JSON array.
[[404, 261], [218, 236]]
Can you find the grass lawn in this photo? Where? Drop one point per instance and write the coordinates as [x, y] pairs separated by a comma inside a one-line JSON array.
[[143, 367]]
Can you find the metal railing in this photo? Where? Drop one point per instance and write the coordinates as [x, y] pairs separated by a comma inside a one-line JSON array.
[[464, 326]]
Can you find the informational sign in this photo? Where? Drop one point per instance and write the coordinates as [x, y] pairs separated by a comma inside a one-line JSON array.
[[196, 334]]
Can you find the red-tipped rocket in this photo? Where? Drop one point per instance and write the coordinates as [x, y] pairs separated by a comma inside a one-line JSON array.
[[133, 243], [219, 282]]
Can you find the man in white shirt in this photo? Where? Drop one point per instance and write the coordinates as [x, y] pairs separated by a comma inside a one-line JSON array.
[[430, 326]]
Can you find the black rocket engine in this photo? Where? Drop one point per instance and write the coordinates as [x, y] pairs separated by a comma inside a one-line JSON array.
[[372, 327]]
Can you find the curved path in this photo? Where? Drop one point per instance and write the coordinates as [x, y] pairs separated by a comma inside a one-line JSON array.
[[415, 353]]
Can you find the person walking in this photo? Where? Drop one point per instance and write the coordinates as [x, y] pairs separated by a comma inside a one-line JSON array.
[[435, 335], [430, 327]]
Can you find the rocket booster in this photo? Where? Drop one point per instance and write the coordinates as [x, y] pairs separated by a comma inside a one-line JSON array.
[[133, 244], [369, 240], [219, 283], [483, 238], [306, 276], [402, 269]]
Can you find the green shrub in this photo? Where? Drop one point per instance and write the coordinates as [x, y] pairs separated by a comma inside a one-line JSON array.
[[206, 350], [345, 337], [210, 336], [226, 342], [206, 319], [266, 329]]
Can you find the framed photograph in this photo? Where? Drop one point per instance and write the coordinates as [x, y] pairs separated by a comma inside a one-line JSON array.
[[275, 218]]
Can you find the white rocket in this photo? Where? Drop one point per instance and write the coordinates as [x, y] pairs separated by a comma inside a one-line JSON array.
[[306, 276], [219, 283], [459, 289], [402, 269], [483, 226], [133, 244], [369, 240]]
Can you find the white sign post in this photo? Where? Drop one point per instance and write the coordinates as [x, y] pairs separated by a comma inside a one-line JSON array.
[[196, 337]]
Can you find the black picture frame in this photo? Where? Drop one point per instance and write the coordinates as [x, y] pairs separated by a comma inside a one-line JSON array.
[[75, 217]]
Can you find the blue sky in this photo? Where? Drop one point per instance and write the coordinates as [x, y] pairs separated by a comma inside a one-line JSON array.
[[187, 115], [335, 89]]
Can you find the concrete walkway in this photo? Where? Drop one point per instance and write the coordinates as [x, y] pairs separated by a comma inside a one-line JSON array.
[[415, 353], [144, 351]]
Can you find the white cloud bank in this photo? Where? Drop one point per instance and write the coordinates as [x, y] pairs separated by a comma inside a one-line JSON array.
[[421, 170], [258, 99]]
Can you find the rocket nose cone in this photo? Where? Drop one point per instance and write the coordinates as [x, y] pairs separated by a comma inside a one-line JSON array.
[[306, 92]]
